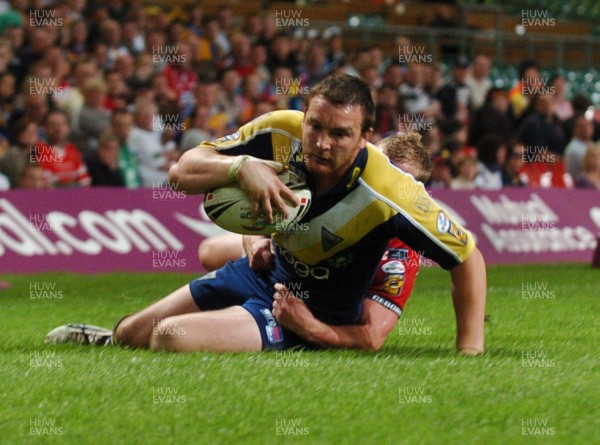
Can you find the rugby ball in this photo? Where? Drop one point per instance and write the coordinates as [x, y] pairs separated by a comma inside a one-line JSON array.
[[229, 207]]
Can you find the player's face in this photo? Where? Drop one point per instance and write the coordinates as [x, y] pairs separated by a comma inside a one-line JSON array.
[[331, 138]]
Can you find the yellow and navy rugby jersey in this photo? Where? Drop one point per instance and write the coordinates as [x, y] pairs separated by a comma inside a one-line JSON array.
[[335, 249]]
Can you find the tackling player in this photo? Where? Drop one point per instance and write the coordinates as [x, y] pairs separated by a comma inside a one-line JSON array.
[[360, 202]]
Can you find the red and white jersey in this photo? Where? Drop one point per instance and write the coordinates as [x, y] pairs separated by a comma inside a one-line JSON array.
[[64, 165], [395, 276]]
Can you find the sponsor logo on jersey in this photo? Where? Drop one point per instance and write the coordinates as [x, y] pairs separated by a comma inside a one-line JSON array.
[[393, 267], [396, 254], [446, 225], [302, 269], [443, 222], [273, 330], [387, 304]]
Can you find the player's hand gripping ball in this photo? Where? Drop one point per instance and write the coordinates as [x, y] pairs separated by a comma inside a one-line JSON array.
[[230, 208]]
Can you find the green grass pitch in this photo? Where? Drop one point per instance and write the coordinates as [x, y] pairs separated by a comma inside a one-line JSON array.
[[537, 383]]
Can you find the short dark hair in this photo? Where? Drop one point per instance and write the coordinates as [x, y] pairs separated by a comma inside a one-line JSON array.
[[344, 89]]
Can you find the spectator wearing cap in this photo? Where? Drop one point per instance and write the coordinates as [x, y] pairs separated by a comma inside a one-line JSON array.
[[455, 96]]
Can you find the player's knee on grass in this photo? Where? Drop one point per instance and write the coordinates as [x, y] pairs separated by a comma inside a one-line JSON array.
[[208, 255], [133, 331]]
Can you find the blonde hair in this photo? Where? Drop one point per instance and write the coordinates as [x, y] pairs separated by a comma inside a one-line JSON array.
[[407, 147]]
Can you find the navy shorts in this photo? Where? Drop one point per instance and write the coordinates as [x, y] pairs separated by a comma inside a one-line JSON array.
[[235, 284]]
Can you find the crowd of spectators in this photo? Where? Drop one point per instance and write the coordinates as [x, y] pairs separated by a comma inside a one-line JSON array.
[[111, 93]]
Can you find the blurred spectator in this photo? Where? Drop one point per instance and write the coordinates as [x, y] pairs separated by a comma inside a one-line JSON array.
[[387, 113], [591, 169], [258, 58], [513, 167], [467, 172], [94, 118], [492, 118], [393, 76], [155, 158], [541, 130], [71, 100], [563, 107], [207, 49], [58, 156], [14, 160], [413, 96], [316, 66], [281, 54], [133, 38], [527, 86], [121, 125], [583, 131], [225, 18], [103, 164], [454, 96], [335, 50], [241, 55], [581, 105], [180, 76], [491, 152], [7, 97], [441, 174], [200, 129], [33, 176], [117, 93], [229, 97], [111, 36], [78, 35], [478, 81]]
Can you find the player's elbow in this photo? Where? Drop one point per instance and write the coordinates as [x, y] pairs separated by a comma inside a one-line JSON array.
[[371, 341], [375, 343], [175, 177]]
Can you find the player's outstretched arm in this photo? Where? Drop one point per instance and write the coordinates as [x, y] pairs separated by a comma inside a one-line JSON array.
[[469, 296], [293, 314], [201, 169]]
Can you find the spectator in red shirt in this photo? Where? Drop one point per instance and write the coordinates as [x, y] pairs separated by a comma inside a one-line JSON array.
[[180, 76], [58, 156]]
